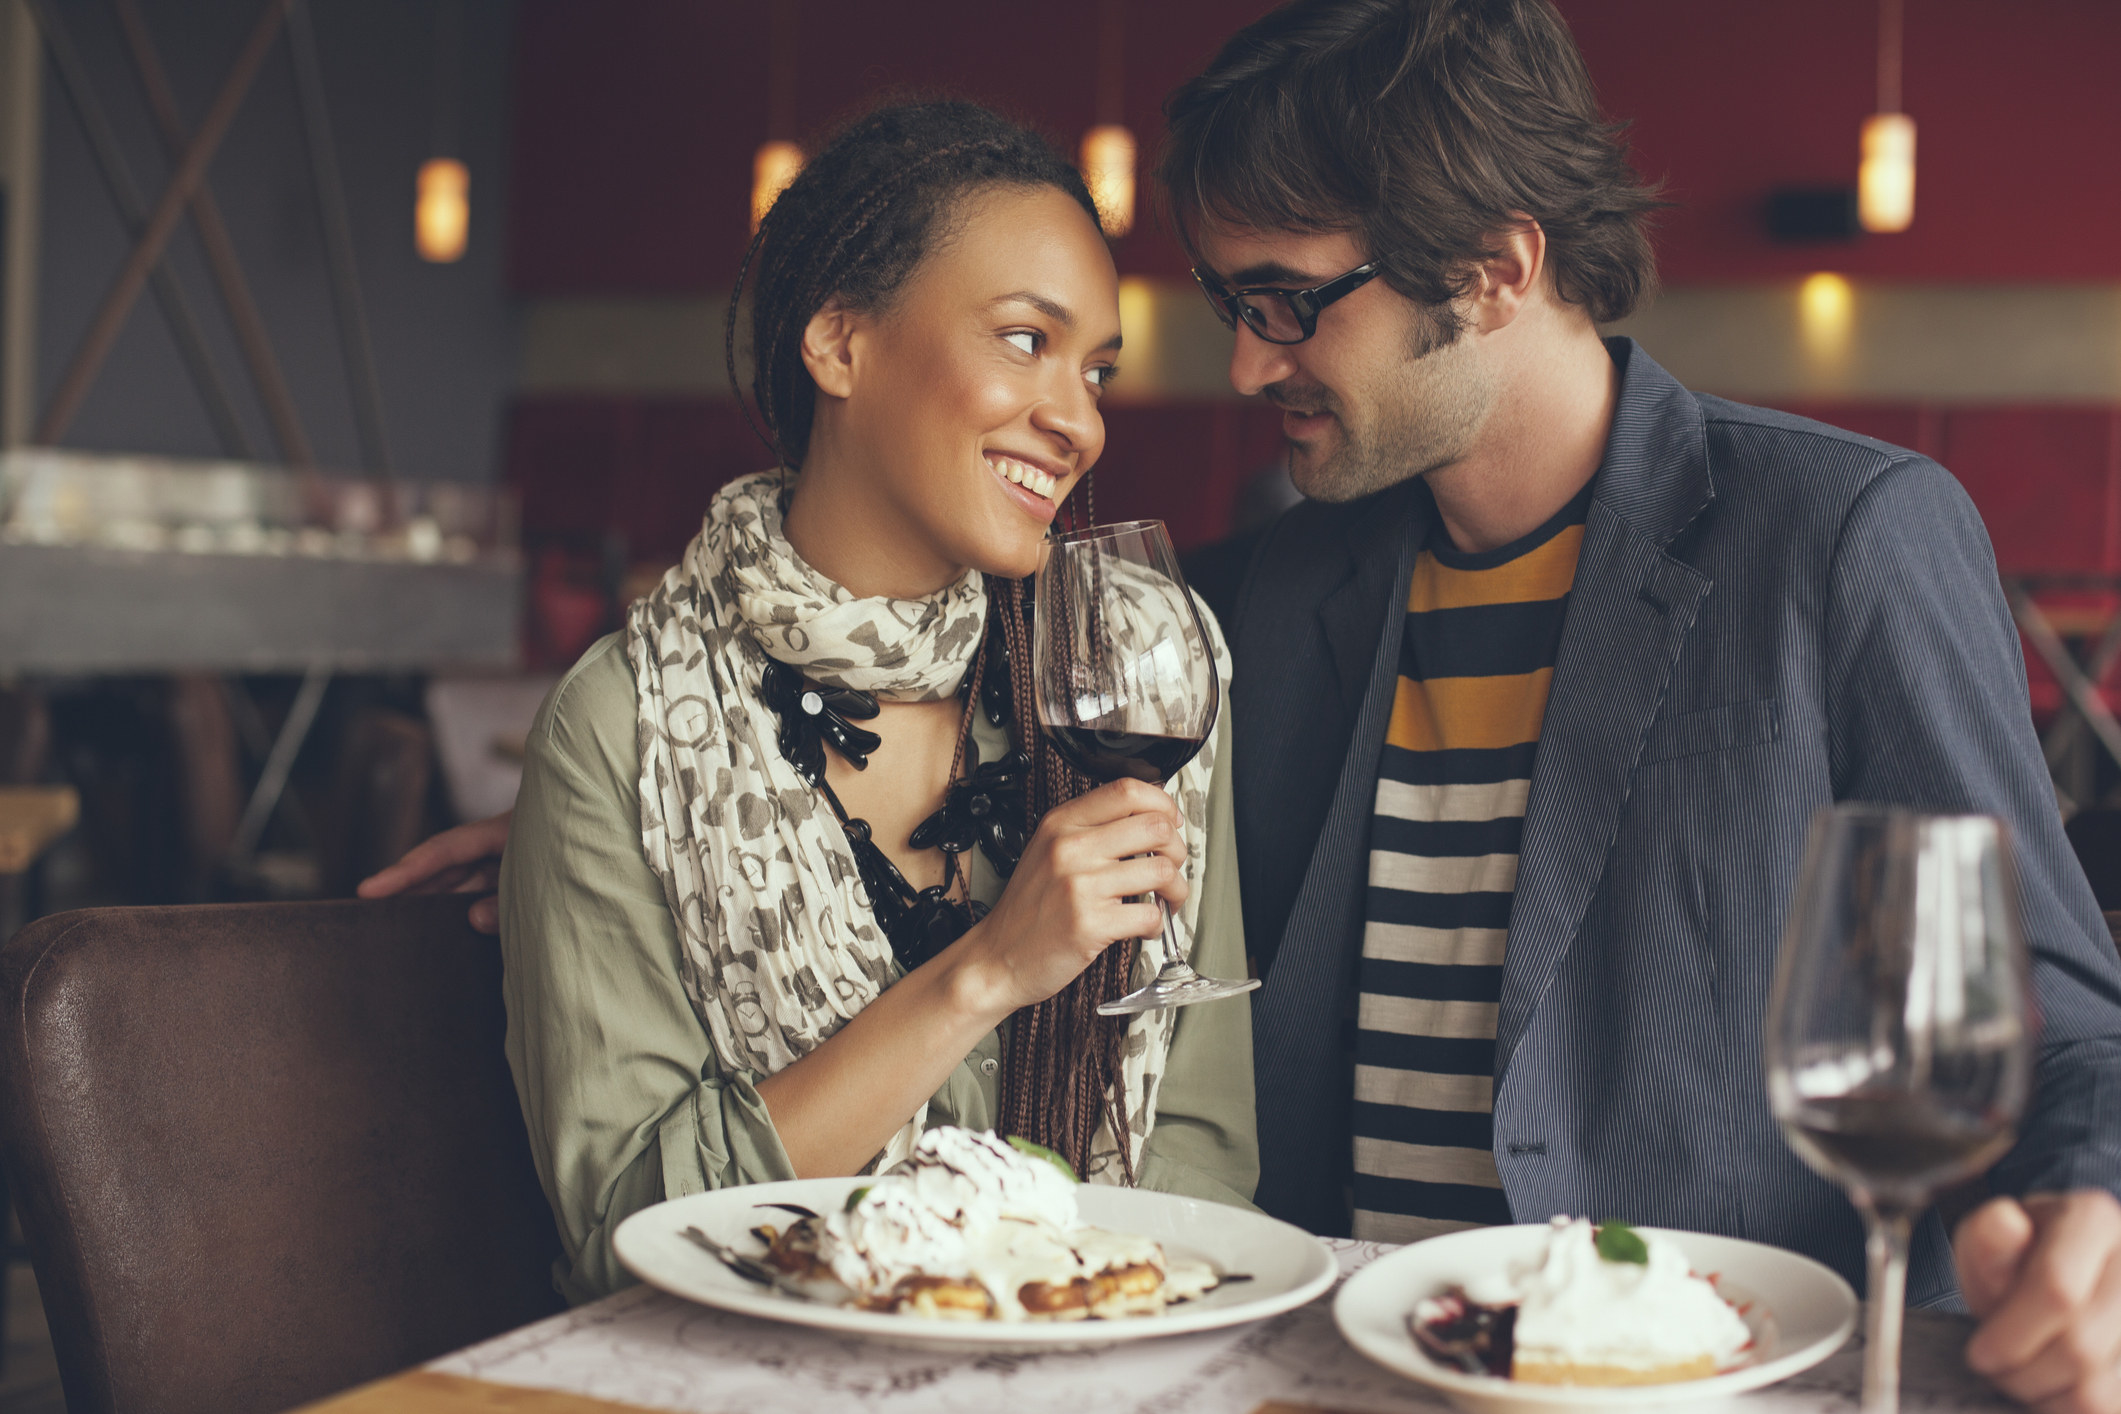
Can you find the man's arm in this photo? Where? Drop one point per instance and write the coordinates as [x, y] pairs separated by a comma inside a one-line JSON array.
[[1927, 707]]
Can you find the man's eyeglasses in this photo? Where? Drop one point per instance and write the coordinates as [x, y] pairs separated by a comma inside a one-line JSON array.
[[1281, 316]]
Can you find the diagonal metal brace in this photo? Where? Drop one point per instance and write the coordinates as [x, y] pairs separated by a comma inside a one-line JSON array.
[[2082, 692], [221, 257], [161, 224], [198, 359]]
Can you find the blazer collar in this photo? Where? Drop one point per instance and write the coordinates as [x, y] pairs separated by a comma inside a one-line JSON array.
[[1655, 476]]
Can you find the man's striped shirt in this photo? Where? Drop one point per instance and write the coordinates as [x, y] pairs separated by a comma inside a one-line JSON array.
[[1476, 661]]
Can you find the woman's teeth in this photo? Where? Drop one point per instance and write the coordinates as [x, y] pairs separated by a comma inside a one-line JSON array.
[[1028, 477]]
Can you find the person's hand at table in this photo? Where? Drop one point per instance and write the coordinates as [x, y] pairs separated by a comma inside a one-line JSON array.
[[2043, 1276], [466, 860]]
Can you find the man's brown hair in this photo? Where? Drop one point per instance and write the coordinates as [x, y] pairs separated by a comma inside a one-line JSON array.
[[1422, 128]]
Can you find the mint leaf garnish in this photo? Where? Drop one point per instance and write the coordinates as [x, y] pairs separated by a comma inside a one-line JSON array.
[[1040, 1151], [853, 1198], [1617, 1242]]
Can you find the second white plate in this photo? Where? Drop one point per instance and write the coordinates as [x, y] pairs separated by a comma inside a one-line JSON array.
[[1287, 1265], [1800, 1313]]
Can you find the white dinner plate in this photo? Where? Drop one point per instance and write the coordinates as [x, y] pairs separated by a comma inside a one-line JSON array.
[[1800, 1312], [1287, 1265]]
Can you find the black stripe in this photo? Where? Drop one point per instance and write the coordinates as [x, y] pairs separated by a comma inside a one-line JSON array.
[[1438, 839], [1446, 1129], [1459, 1201], [1480, 910], [1458, 768], [1482, 640], [1438, 1055], [1437, 981]]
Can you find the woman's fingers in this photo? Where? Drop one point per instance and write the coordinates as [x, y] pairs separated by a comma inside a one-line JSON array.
[[1152, 875], [1129, 835], [1114, 801]]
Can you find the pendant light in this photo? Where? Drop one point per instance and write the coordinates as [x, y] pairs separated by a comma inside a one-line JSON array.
[[778, 159], [441, 213], [1885, 184], [1109, 149]]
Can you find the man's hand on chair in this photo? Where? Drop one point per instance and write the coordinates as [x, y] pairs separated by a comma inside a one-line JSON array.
[[465, 860]]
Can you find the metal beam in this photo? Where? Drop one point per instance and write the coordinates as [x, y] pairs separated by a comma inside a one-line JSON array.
[[199, 362], [21, 148], [161, 223], [221, 258], [354, 344]]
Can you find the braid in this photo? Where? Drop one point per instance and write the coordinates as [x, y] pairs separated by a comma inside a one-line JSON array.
[[1061, 1065]]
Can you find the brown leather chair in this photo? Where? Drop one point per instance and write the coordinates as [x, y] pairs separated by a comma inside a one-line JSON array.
[[265, 1151]]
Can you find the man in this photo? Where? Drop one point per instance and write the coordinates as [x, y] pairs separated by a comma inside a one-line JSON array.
[[1537, 693]]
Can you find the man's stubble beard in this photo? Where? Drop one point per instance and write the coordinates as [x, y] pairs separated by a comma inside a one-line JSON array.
[[1426, 413]]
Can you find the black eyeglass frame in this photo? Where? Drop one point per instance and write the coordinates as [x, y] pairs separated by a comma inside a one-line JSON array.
[[1304, 305]]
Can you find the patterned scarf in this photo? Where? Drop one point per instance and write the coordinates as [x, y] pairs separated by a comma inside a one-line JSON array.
[[779, 945]]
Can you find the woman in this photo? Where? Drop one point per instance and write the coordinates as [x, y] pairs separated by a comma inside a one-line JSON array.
[[727, 960]]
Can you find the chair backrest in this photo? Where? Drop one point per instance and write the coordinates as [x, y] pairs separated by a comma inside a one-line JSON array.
[[263, 1152]]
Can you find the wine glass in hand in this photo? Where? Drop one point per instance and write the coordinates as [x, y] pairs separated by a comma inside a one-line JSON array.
[[1125, 683], [1898, 1041]]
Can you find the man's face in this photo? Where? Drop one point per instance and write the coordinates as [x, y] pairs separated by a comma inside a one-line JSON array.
[[1380, 393]]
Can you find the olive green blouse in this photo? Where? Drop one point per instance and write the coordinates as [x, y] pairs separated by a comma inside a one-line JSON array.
[[625, 1100]]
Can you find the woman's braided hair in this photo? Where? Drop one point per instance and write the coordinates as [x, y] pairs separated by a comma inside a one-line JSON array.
[[855, 225]]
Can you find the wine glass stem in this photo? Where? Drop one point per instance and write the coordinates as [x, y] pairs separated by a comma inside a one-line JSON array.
[[1886, 1247], [1173, 963]]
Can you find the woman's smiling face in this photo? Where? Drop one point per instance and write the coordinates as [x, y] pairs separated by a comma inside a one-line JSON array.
[[953, 422]]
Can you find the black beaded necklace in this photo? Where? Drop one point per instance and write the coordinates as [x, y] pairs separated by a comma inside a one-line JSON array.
[[983, 807]]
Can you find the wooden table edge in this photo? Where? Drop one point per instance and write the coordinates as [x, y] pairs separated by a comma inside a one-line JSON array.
[[433, 1392]]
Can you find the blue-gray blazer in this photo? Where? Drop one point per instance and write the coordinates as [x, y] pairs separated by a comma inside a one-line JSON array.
[[1769, 615]]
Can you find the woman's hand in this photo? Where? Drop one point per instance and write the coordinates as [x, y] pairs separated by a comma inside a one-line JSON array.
[[1068, 899], [466, 860]]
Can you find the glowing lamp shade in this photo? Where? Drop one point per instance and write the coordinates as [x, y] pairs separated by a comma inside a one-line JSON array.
[[1885, 186], [1108, 170], [442, 213], [1826, 308], [772, 170]]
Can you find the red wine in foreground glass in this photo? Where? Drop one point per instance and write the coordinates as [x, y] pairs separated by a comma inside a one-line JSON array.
[[1898, 1038], [1125, 683]]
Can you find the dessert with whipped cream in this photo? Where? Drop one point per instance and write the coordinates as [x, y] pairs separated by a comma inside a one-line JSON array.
[[1598, 1305], [971, 1227]]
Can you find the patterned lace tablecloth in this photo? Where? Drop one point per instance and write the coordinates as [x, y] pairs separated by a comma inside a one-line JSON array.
[[644, 1348]]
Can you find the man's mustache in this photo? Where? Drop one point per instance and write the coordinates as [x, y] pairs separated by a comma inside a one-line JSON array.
[[1291, 397]]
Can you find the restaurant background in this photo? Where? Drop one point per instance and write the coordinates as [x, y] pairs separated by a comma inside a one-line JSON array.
[[573, 354], [569, 355]]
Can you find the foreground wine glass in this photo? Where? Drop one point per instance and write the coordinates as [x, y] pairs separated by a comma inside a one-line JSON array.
[[1898, 1041], [1125, 683]]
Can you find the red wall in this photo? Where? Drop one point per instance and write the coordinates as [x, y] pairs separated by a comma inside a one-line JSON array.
[[2016, 102], [635, 121]]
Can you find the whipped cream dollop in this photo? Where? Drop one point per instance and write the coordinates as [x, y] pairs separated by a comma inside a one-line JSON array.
[[967, 1206], [1574, 1305]]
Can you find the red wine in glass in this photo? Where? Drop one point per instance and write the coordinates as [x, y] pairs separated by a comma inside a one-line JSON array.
[[1126, 687], [1112, 756]]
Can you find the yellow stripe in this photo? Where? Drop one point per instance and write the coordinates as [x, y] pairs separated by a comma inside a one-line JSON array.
[[1462, 714], [1544, 573]]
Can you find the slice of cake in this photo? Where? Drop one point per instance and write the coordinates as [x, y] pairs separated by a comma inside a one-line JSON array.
[[1599, 1305]]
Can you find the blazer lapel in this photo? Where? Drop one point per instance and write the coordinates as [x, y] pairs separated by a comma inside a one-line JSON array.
[[1629, 614]]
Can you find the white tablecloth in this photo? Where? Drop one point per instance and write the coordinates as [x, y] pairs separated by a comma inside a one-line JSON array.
[[644, 1348]]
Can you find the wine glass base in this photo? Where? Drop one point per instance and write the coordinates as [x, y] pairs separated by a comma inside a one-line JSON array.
[[1183, 992]]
